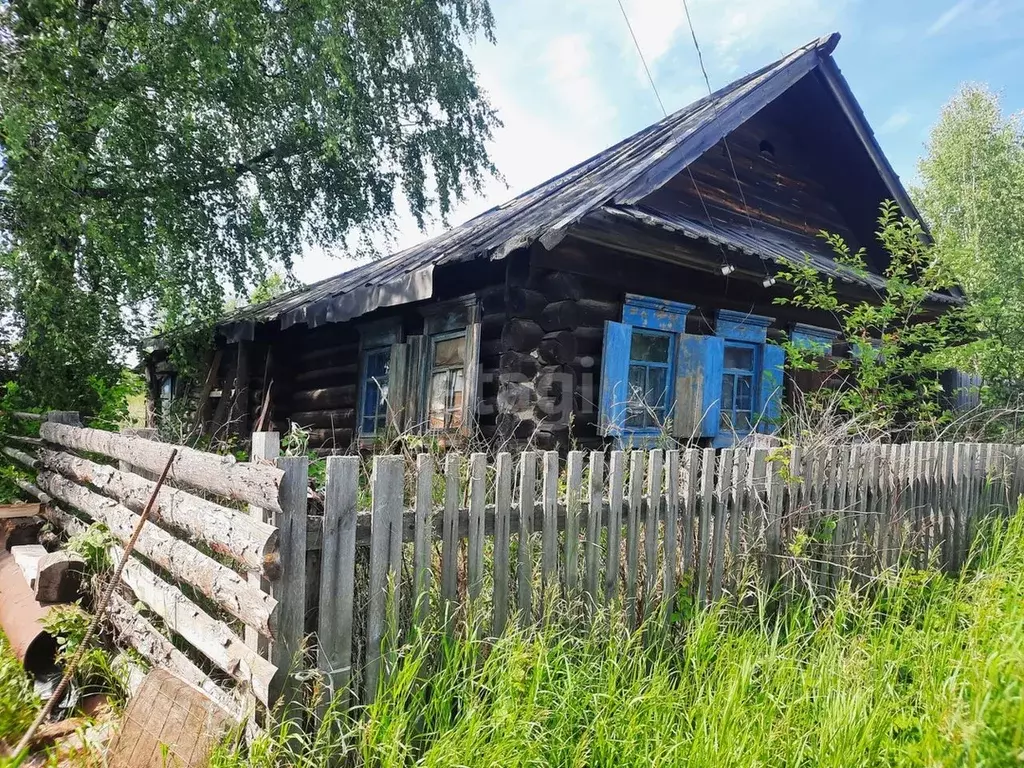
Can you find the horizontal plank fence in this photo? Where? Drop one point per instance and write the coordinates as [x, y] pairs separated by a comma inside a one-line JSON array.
[[216, 564], [478, 541]]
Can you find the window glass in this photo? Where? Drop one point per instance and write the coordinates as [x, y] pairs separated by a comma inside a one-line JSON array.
[[738, 388], [376, 363], [447, 384], [649, 376]]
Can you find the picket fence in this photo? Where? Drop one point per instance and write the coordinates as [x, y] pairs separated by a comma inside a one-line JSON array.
[[480, 542], [252, 566]]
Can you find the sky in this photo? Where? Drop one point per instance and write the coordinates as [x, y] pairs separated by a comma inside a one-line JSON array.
[[567, 80]]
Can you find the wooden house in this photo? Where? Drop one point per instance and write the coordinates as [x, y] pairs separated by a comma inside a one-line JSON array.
[[628, 296]]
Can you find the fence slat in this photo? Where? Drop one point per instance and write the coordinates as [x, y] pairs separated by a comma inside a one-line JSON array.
[[616, 482], [386, 483], [573, 491], [549, 543], [502, 539], [527, 497], [776, 489], [671, 533], [636, 491], [477, 502], [756, 516], [721, 505], [707, 490], [592, 543], [737, 495], [691, 470], [337, 576], [422, 529], [450, 536], [651, 529]]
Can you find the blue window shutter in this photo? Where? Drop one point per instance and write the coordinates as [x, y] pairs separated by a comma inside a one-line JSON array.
[[698, 386], [614, 377], [772, 378]]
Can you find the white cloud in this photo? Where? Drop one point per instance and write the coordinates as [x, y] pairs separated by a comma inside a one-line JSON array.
[[896, 121], [949, 16]]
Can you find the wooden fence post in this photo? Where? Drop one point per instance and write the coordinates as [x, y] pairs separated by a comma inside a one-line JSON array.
[[385, 564], [337, 578], [265, 446], [290, 588]]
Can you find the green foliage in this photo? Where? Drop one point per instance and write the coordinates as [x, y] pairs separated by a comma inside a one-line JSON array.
[[113, 397], [94, 544], [921, 670], [972, 195], [94, 673], [153, 154], [891, 377], [18, 703]]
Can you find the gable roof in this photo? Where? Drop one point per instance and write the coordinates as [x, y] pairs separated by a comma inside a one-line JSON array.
[[613, 182]]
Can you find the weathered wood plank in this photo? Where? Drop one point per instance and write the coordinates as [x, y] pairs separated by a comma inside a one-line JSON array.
[[573, 507], [670, 546], [652, 531], [636, 491], [477, 502], [721, 502], [592, 540], [218, 582], [290, 588], [257, 484], [707, 491], [527, 503], [450, 536], [616, 501], [386, 485], [337, 576], [502, 540], [737, 503], [422, 535], [690, 512], [549, 536]]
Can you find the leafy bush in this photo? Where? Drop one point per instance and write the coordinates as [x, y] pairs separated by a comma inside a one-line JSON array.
[[18, 703]]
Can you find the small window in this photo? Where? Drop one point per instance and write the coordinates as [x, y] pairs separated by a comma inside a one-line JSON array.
[[649, 376], [166, 393], [738, 392], [373, 408], [447, 382]]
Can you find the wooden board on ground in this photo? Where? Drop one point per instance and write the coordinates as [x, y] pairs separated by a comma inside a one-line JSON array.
[[168, 722], [10, 511]]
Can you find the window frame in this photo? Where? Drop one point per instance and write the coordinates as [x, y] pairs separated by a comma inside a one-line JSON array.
[[431, 369], [459, 317], [741, 329], [374, 336], [754, 374], [668, 366], [364, 389]]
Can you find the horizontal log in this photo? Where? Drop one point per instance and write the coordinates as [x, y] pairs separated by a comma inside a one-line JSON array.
[[557, 348], [131, 628], [340, 437], [213, 638], [227, 531], [257, 484], [557, 286], [34, 441], [332, 373], [337, 417], [325, 398], [25, 416], [560, 316], [591, 312], [21, 457], [589, 340], [516, 396], [340, 352], [232, 592], [521, 335], [518, 362]]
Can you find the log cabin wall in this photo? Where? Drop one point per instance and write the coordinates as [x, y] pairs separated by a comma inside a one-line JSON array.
[[554, 336]]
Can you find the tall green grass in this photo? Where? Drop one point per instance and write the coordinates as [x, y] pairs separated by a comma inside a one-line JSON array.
[[923, 670]]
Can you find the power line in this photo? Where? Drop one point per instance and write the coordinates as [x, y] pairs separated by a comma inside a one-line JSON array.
[[725, 139], [726, 267]]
